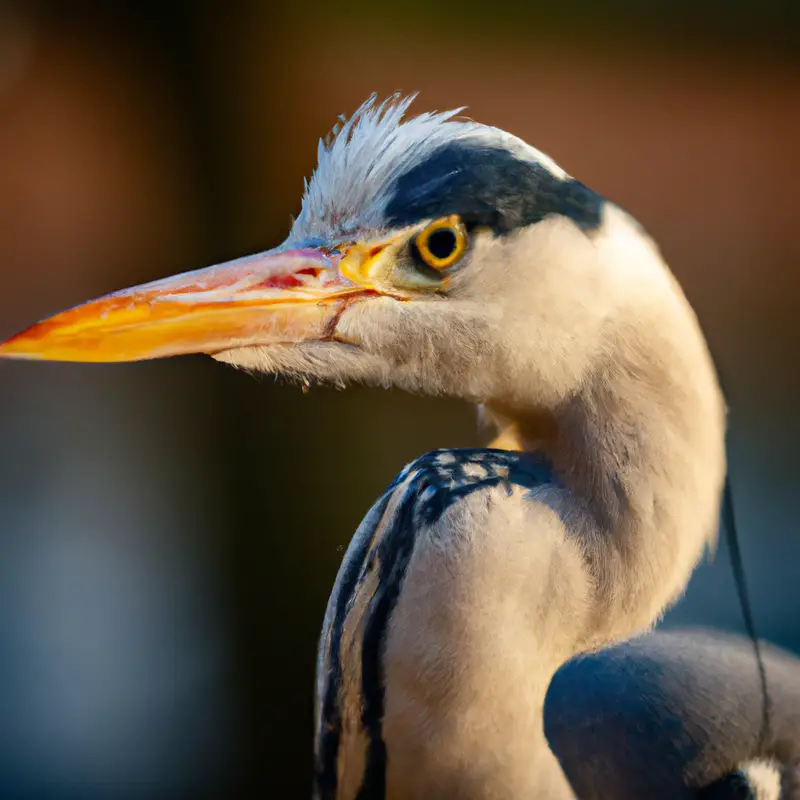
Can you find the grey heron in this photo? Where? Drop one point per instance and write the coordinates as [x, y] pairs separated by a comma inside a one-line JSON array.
[[484, 636]]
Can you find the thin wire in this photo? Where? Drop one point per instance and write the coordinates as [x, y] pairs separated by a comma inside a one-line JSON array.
[[737, 565]]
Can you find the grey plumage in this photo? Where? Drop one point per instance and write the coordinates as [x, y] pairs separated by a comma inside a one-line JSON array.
[[667, 714]]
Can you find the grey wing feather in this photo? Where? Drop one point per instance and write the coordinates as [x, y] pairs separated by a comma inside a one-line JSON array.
[[664, 715]]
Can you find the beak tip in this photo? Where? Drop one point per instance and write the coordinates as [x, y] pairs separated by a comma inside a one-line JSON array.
[[20, 348]]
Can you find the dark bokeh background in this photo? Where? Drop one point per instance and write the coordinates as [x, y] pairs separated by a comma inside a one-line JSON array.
[[170, 531]]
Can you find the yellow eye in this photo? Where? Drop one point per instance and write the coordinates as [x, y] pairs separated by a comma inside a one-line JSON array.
[[442, 243]]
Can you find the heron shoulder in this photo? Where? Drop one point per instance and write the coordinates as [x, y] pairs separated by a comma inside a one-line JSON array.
[[350, 747]]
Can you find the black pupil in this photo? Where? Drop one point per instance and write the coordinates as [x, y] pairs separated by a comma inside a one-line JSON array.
[[442, 243]]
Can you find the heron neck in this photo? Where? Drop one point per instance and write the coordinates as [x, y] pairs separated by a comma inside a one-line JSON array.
[[640, 450]]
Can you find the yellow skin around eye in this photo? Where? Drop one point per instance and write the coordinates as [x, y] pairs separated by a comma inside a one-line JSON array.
[[379, 263], [451, 223]]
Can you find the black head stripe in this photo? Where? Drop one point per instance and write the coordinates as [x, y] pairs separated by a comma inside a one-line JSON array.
[[489, 185]]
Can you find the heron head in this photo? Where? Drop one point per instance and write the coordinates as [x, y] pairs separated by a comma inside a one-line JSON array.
[[434, 253]]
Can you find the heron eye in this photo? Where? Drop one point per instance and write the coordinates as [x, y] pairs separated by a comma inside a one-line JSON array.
[[442, 243]]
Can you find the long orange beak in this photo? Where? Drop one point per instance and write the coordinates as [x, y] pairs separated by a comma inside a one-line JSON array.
[[278, 296]]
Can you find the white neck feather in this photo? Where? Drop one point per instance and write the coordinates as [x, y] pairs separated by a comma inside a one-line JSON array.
[[640, 451]]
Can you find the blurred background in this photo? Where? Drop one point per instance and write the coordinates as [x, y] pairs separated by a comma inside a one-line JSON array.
[[170, 531]]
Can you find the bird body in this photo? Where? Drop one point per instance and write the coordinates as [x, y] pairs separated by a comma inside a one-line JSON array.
[[682, 706], [442, 256], [436, 548]]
